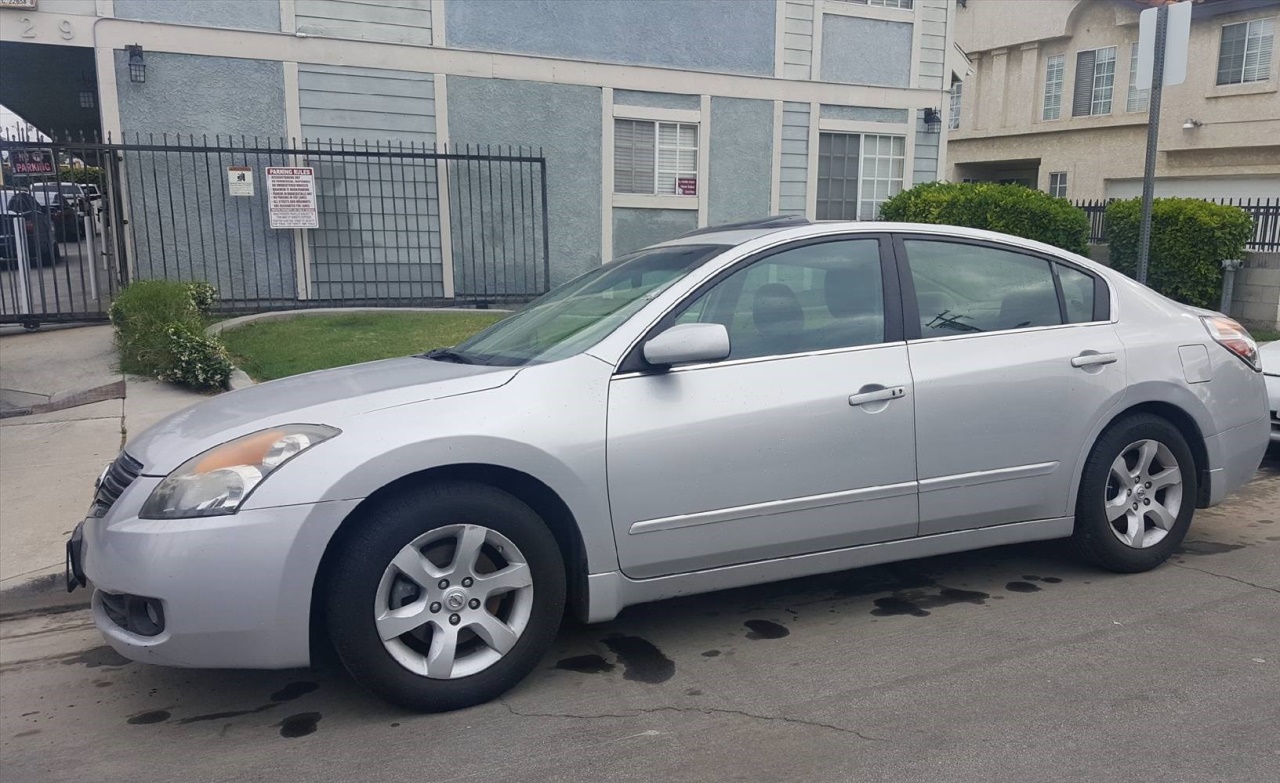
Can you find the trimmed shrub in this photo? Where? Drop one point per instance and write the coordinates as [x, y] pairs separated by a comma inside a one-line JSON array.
[[160, 333], [85, 175], [197, 360], [1190, 239], [1011, 209], [203, 295]]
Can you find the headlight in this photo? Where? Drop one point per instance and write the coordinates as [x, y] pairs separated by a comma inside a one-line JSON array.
[[219, 480]]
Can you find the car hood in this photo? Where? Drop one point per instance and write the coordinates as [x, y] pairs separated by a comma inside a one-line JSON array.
[[325, 397], [1270, 354]]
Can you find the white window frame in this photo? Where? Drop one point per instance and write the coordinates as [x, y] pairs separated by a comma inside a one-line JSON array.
[[1136, 100], [957, 103], [1056, 67], [1101, 86], [1058, 184], [1262, 68], [660, 117], [863, 133], [904, 5]]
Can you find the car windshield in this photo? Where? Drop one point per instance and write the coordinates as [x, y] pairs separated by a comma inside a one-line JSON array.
[[580, 313]]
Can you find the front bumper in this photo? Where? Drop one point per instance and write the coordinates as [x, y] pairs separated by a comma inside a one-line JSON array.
[[235, 590], [1273, 404]]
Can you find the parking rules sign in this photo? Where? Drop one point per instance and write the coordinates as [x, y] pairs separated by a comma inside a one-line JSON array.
[[291, 197]]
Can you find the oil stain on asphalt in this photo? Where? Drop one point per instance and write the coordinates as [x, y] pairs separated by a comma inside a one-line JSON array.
[[641, 661], [147, 718], [585, 664], [299, 725], [293, 690], [917, 603], [765, 629]]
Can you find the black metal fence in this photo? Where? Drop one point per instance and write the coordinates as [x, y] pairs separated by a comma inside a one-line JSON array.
[[351, 223], [1264, 211]]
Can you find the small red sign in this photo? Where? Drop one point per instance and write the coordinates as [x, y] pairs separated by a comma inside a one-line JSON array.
[[687, 186]]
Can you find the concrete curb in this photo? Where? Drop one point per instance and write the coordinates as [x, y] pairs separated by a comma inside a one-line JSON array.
[[240, 379]]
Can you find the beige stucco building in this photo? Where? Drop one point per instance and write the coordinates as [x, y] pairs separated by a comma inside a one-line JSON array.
[[1051, 100]]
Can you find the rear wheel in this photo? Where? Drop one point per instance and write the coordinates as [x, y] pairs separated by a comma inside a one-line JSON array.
[[446, 597], [1137, 495]]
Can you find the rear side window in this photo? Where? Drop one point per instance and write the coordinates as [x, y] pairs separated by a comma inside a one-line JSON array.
[[1077, 293]]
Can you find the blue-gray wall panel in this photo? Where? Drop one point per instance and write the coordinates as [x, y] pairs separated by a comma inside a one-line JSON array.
[[863, 113], [730, 36], [925, 166], [637, 228], [657, 100], [235, 14], [741, 159], [866, 51], [793, 178], [183, 223], [564, 120]]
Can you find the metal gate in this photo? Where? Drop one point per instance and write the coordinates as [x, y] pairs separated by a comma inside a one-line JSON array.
[[60, 243], [396, 225]]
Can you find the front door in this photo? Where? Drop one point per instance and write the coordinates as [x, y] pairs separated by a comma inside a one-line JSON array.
[[802, 440], [1015, 361]]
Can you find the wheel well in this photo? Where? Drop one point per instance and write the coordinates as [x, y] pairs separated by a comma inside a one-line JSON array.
[[538, 496], [1190, 431]]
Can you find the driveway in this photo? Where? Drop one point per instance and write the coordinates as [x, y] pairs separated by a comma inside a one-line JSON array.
[[1007, 664]]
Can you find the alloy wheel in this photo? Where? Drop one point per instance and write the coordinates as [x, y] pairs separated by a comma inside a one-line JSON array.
[[1144, 494], [454, 601]]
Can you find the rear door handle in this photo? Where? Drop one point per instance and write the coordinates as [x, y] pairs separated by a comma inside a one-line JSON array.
[[879, 395], [1093, 359]]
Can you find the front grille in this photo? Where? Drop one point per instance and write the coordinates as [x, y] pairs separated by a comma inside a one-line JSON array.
[[117, 478]]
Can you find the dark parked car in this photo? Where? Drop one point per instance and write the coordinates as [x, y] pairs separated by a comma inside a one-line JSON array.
[[37, 224], [64, 210]]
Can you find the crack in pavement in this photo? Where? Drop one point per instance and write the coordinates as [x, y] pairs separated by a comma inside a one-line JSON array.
[[1225, 576], [700, 710]]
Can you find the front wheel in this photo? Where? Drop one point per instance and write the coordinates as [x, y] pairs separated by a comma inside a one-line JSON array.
[[1137, 495], [446, 596]]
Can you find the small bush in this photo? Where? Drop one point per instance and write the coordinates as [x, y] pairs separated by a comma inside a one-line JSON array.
[[1011, 209], [203, 295], [1190, 239], [85, 175], [160, 333], [197, 361]]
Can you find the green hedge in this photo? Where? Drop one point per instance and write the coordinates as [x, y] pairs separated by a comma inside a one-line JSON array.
[[88, 175], [160, 333], [1190, 239], [1011, 209]]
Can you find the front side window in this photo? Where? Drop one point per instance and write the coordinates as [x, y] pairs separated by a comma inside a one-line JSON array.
[[1137, 100], [963, 289], [1054, 69], [1245, 52], [857, 173], [1095, 82], [583, 311], [656, 158], [1058, 184], [811, 298]]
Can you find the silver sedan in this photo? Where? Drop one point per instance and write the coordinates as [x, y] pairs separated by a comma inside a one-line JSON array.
[[736, 406]]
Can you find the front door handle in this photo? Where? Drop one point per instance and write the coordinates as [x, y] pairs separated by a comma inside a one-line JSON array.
[[1093, 359], [878, 395]]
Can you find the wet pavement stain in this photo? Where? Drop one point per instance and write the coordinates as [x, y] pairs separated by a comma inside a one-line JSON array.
[[147, 718], [226, 715], [641, 661], [892, 605], [1022, 587], [765, 629], [917, 603], [693, 692], [27, 733], [293, 690], [956, 595], [98, 656], [710, 653], [1207, 548], [1273, 538], [299, 725], [1051, 580], [883, 579], [103, 684], [585, 664]]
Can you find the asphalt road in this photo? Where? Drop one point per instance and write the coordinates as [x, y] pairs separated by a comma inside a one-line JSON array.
[[1012, 664]]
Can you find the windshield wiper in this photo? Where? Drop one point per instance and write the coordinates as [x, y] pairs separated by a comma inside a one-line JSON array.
[[449, 355]]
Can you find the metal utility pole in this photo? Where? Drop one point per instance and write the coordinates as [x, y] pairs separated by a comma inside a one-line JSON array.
[[1153, 135]]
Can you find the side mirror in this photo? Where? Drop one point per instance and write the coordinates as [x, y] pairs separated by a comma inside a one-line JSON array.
[[688, 344]]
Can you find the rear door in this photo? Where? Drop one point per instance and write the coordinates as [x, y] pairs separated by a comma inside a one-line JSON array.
[[1015, 361]]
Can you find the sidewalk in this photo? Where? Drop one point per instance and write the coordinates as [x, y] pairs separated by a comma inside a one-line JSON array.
[[49, 461]]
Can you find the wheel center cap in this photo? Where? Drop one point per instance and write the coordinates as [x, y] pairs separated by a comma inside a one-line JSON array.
[[455, 599], [1142, 491]]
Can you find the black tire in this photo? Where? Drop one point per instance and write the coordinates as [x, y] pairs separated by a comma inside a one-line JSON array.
[[1094, 539], [383, 532]]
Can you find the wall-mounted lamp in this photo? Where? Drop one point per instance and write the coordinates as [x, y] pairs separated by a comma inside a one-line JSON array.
[[137, 64], [1191, 124], [932, 120]]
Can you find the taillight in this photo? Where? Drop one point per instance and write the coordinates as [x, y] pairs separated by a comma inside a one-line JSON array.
[[1234, 337]]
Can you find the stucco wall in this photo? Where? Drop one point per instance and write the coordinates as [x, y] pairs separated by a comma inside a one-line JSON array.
[[565, 121], [237, 14], [862, 113], [866, 51], [657, 100], [182, 222], [741, 159], [733, 36], [398, 22], [637, 228]]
